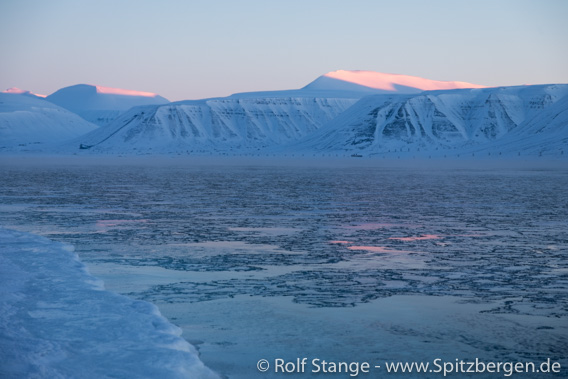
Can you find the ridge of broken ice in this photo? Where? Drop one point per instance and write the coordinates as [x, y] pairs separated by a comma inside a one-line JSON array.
[[57, 321]]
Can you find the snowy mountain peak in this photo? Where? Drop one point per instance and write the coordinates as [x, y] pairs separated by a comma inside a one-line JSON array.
[[101, 105], [377, 82], [103, 97], [124, 92], [18, 91], [114, 98]]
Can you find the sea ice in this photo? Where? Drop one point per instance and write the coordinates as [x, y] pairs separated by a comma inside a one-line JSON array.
[[252, 261], [57, 321]]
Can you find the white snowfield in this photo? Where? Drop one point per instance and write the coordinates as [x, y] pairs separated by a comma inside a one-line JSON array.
[[57, 321], [32, 122]]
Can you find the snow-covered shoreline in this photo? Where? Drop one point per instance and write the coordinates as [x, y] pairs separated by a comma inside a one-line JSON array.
[[486, 163], [57, 321]]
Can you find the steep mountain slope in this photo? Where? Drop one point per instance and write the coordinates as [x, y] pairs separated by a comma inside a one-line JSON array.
[[543, 134], [216, 124], [101, 105], [29, 121], [463, 119]]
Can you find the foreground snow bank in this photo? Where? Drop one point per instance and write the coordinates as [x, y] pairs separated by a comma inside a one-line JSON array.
[[57, 321]]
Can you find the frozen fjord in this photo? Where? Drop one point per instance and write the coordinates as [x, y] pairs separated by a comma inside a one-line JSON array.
[[356, 263]]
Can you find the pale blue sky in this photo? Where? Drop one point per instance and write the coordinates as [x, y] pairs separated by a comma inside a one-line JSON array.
[[196, 49]]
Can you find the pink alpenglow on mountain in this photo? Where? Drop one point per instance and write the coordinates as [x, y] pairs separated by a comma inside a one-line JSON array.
[[124, 92], [18, 91], [383, 83]]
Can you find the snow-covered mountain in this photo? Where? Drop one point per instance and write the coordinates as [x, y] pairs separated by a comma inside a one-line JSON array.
[[30, 122], [216, 124], [544, 133], [463, 119], [101, 105], [357, 84], [342, 112], [370, 82], [18, 91], [253, 120]]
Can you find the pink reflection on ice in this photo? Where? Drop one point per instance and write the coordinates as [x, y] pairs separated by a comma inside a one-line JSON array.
[[417, 238], [377, 249], [339, 242], [382, 81], [124, 92]]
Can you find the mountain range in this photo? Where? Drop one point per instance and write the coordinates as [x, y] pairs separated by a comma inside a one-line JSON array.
[[343, 113], [466, 120]]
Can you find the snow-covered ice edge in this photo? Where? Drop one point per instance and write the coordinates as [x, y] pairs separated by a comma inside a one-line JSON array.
[[57, 321]]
